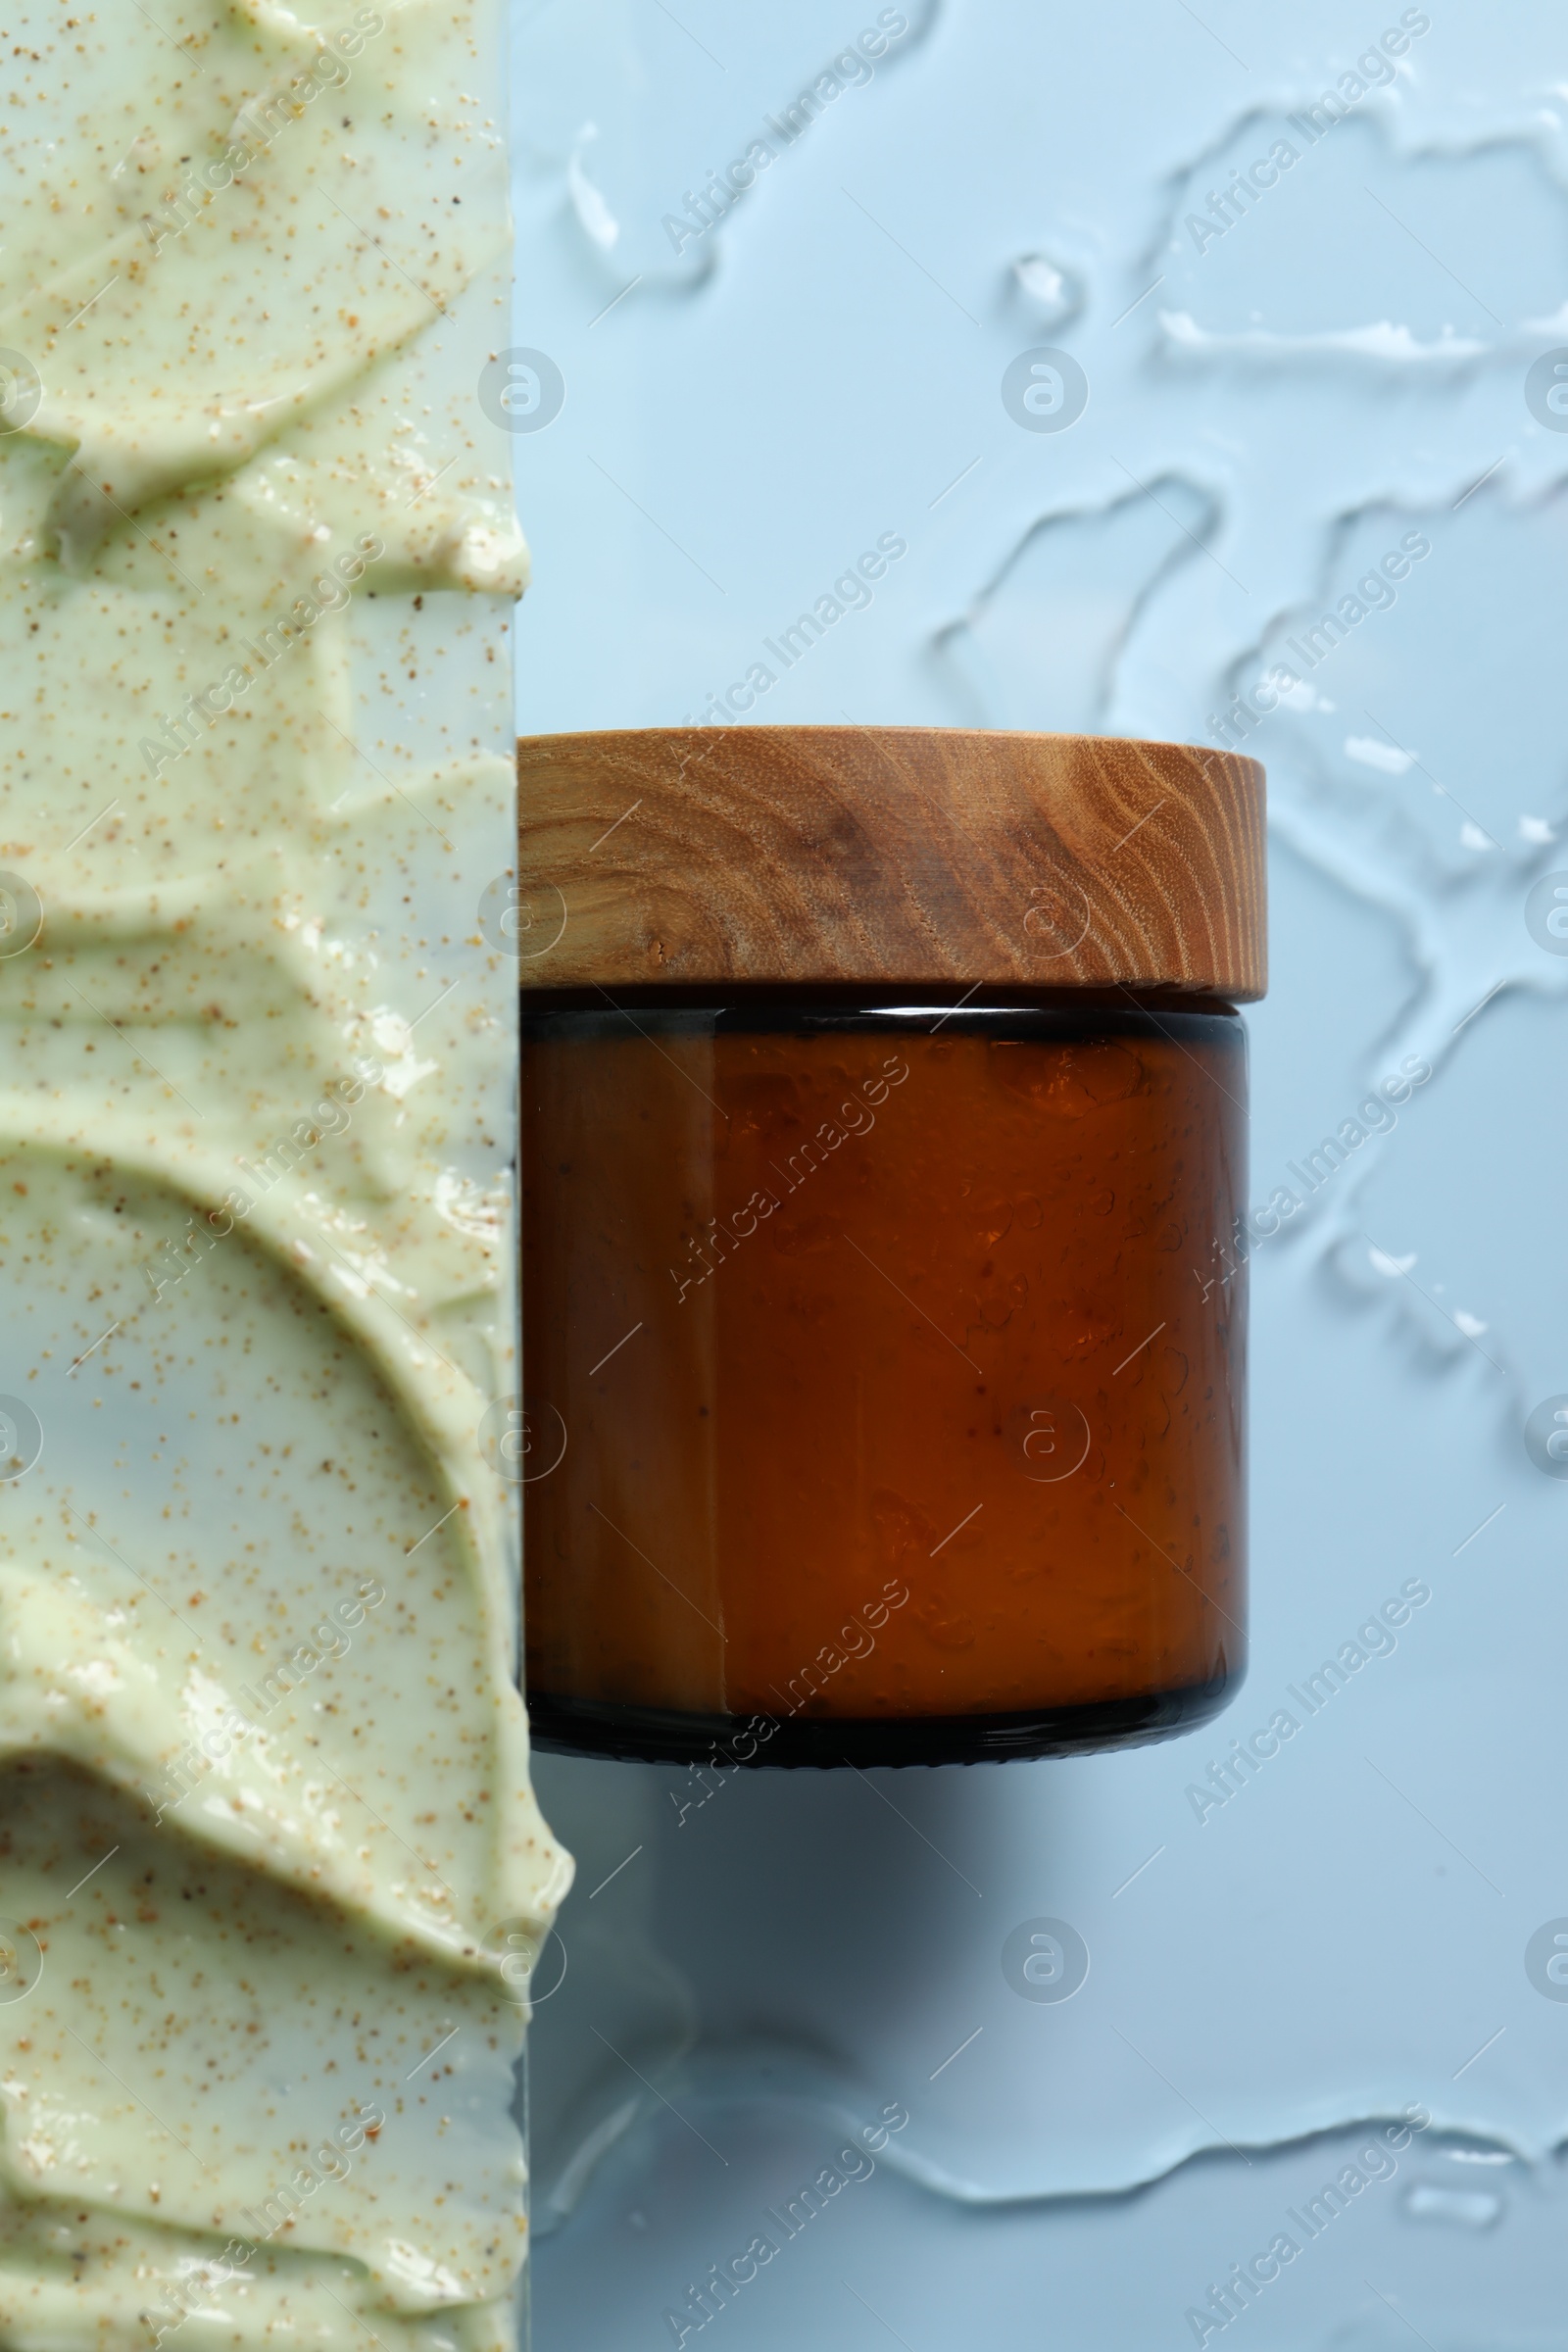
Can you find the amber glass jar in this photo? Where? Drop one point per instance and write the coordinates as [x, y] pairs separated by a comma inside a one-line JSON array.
[[884, 1346]]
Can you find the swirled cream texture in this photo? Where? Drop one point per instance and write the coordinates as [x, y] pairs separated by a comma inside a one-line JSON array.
[[266, 1836]]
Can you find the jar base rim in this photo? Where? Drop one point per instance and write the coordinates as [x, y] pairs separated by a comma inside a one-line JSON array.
[[665, 1736]]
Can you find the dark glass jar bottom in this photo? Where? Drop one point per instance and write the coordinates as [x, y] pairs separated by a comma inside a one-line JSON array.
[[658, 1736], [936, 1405]]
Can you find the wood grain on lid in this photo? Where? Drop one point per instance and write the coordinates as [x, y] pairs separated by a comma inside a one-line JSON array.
[[691, 854]]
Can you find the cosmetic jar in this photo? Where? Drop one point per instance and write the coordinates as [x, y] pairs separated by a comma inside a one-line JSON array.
[[883, 1117]]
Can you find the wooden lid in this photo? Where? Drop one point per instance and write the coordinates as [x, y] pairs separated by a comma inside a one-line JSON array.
[[904, 855]]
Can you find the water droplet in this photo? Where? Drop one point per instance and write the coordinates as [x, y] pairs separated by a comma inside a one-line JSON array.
[[1470, 2208], [1054, 295]]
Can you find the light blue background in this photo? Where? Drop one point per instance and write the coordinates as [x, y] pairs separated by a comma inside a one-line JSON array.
[[1267, 416]]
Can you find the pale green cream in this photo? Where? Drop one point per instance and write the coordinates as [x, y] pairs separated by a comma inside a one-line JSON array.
[[264, 1790]]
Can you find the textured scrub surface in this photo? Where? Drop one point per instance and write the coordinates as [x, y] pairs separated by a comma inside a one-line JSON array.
[[266, 1828]]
